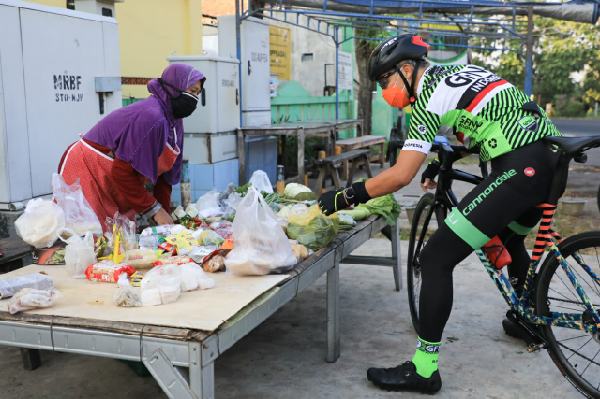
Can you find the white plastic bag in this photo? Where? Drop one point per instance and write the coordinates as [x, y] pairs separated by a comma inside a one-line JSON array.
[[161, 285], [193, 278], [79, 254], [260, 245], [79, 216], [260, 181], [208, 205], [41, 223], [10, 286], [30, 298]]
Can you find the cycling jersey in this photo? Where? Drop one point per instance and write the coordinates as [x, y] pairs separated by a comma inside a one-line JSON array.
[[483, 110]]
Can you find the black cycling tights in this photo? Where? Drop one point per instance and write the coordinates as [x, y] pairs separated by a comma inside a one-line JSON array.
[[519, 181]]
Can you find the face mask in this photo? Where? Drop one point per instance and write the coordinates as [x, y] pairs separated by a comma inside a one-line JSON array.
[[395, 96], [395, 93], [184, 104]]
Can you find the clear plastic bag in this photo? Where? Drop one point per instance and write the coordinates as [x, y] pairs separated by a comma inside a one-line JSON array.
[[10, 286], [79, 254], [41, 223], [79, 216], [208, 205], [260, 181], [161, 285], [30, 298], [261, 246]]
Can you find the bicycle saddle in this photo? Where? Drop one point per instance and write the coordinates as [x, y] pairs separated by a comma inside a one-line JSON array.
[[574, 145]]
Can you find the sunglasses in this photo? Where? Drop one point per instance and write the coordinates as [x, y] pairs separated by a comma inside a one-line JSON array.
[[384, 79]]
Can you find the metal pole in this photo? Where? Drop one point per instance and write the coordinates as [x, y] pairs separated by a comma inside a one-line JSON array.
[[337, 77], [528, 85], [238, 53]]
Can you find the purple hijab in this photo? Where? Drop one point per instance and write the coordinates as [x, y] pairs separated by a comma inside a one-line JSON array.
[[138, 133]]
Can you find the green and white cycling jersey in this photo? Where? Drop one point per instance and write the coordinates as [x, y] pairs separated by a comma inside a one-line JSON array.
[[483, 110]]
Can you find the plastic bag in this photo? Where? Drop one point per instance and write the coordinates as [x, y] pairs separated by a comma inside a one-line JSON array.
[[41, 223], [79, 216], [10, 286], [30, 298], [260, 243], [161, 285], [208, 205], [193, 278], [260, 181], [311, 228], [79, 254]]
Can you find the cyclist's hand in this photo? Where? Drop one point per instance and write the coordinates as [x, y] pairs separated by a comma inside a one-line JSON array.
[[429, 184], [332, 201]]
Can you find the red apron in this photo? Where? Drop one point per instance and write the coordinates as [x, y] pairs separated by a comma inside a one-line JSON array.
[[93, 168]]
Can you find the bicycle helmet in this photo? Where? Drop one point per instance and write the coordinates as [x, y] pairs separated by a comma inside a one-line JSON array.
[[388, 54]]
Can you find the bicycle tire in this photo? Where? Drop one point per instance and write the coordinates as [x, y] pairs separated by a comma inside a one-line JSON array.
[[420, 221], [598, 199], [567, 247]]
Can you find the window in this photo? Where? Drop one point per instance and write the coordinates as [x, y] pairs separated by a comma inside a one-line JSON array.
[[71, 4], [307, 57]]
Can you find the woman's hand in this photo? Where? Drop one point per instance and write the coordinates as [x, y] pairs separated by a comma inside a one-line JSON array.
[[162, 217]]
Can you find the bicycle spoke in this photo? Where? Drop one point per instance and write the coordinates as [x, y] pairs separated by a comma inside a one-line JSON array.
[[566, 286], [567, 308], [559, 293], [575, 351], [580, 278], [585, 369], [570, 338]]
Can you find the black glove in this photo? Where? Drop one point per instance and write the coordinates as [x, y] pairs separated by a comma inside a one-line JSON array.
[[431, 171], [333, 201]]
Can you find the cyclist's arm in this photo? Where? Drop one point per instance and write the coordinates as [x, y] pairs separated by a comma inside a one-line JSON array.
[[423, 125], [398, 176]]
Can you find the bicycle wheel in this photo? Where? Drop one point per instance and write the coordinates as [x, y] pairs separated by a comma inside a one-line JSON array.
[[420, 231], [575, 352]]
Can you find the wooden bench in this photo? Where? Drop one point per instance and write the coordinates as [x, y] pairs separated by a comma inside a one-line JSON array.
[[329, 166], [366, 141]]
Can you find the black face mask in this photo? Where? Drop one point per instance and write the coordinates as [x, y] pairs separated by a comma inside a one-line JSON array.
[[184, 104]]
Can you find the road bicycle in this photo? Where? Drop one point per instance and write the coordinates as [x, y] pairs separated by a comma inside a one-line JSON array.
[[560, 301]]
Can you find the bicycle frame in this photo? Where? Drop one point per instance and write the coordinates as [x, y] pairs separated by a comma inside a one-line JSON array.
[[546, 239]]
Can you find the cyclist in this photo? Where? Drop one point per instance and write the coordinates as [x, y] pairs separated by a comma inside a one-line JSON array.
[[484, 112]]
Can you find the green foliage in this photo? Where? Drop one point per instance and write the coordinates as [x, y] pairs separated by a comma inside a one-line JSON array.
[[564, 52]]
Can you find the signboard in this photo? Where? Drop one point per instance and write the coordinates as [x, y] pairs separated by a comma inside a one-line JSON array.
[[345, 71], [280, 48]]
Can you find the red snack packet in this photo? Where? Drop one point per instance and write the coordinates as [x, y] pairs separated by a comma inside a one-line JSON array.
[[107, 271]]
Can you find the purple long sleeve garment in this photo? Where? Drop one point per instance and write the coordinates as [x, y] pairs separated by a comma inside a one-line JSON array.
[[138, 133]]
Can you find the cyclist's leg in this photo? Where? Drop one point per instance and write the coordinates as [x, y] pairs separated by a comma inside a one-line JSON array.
[[513, 237]]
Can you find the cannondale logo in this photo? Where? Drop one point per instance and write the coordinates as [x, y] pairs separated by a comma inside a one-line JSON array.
[[422, 129]]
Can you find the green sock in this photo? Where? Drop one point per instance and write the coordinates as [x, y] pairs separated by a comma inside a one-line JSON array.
[[426, 357]]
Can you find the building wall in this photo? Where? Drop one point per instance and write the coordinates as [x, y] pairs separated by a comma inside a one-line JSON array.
[[51, 3], [149, 32]]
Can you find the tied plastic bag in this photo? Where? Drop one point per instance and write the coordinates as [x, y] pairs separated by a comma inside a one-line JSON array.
[[161, 285], [260, 243], [260, 181], [79, 216], [30, 298], [79, 254], [41, 223], [208, 205]]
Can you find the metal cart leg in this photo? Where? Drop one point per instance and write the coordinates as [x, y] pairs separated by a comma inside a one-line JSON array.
[[333, 315], [395, 239], [31, 359]]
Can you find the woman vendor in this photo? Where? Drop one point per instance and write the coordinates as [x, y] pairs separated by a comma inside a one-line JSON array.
[[129, 160]]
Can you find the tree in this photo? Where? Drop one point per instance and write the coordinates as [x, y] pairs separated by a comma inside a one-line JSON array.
[[363, 49]]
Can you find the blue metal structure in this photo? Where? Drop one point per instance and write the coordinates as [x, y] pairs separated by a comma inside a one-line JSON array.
[[493, 21]]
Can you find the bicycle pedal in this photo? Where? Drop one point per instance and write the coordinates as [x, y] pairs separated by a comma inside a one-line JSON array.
[[531, 348]]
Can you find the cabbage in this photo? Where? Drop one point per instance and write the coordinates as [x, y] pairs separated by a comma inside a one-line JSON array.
[[298, 192]]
